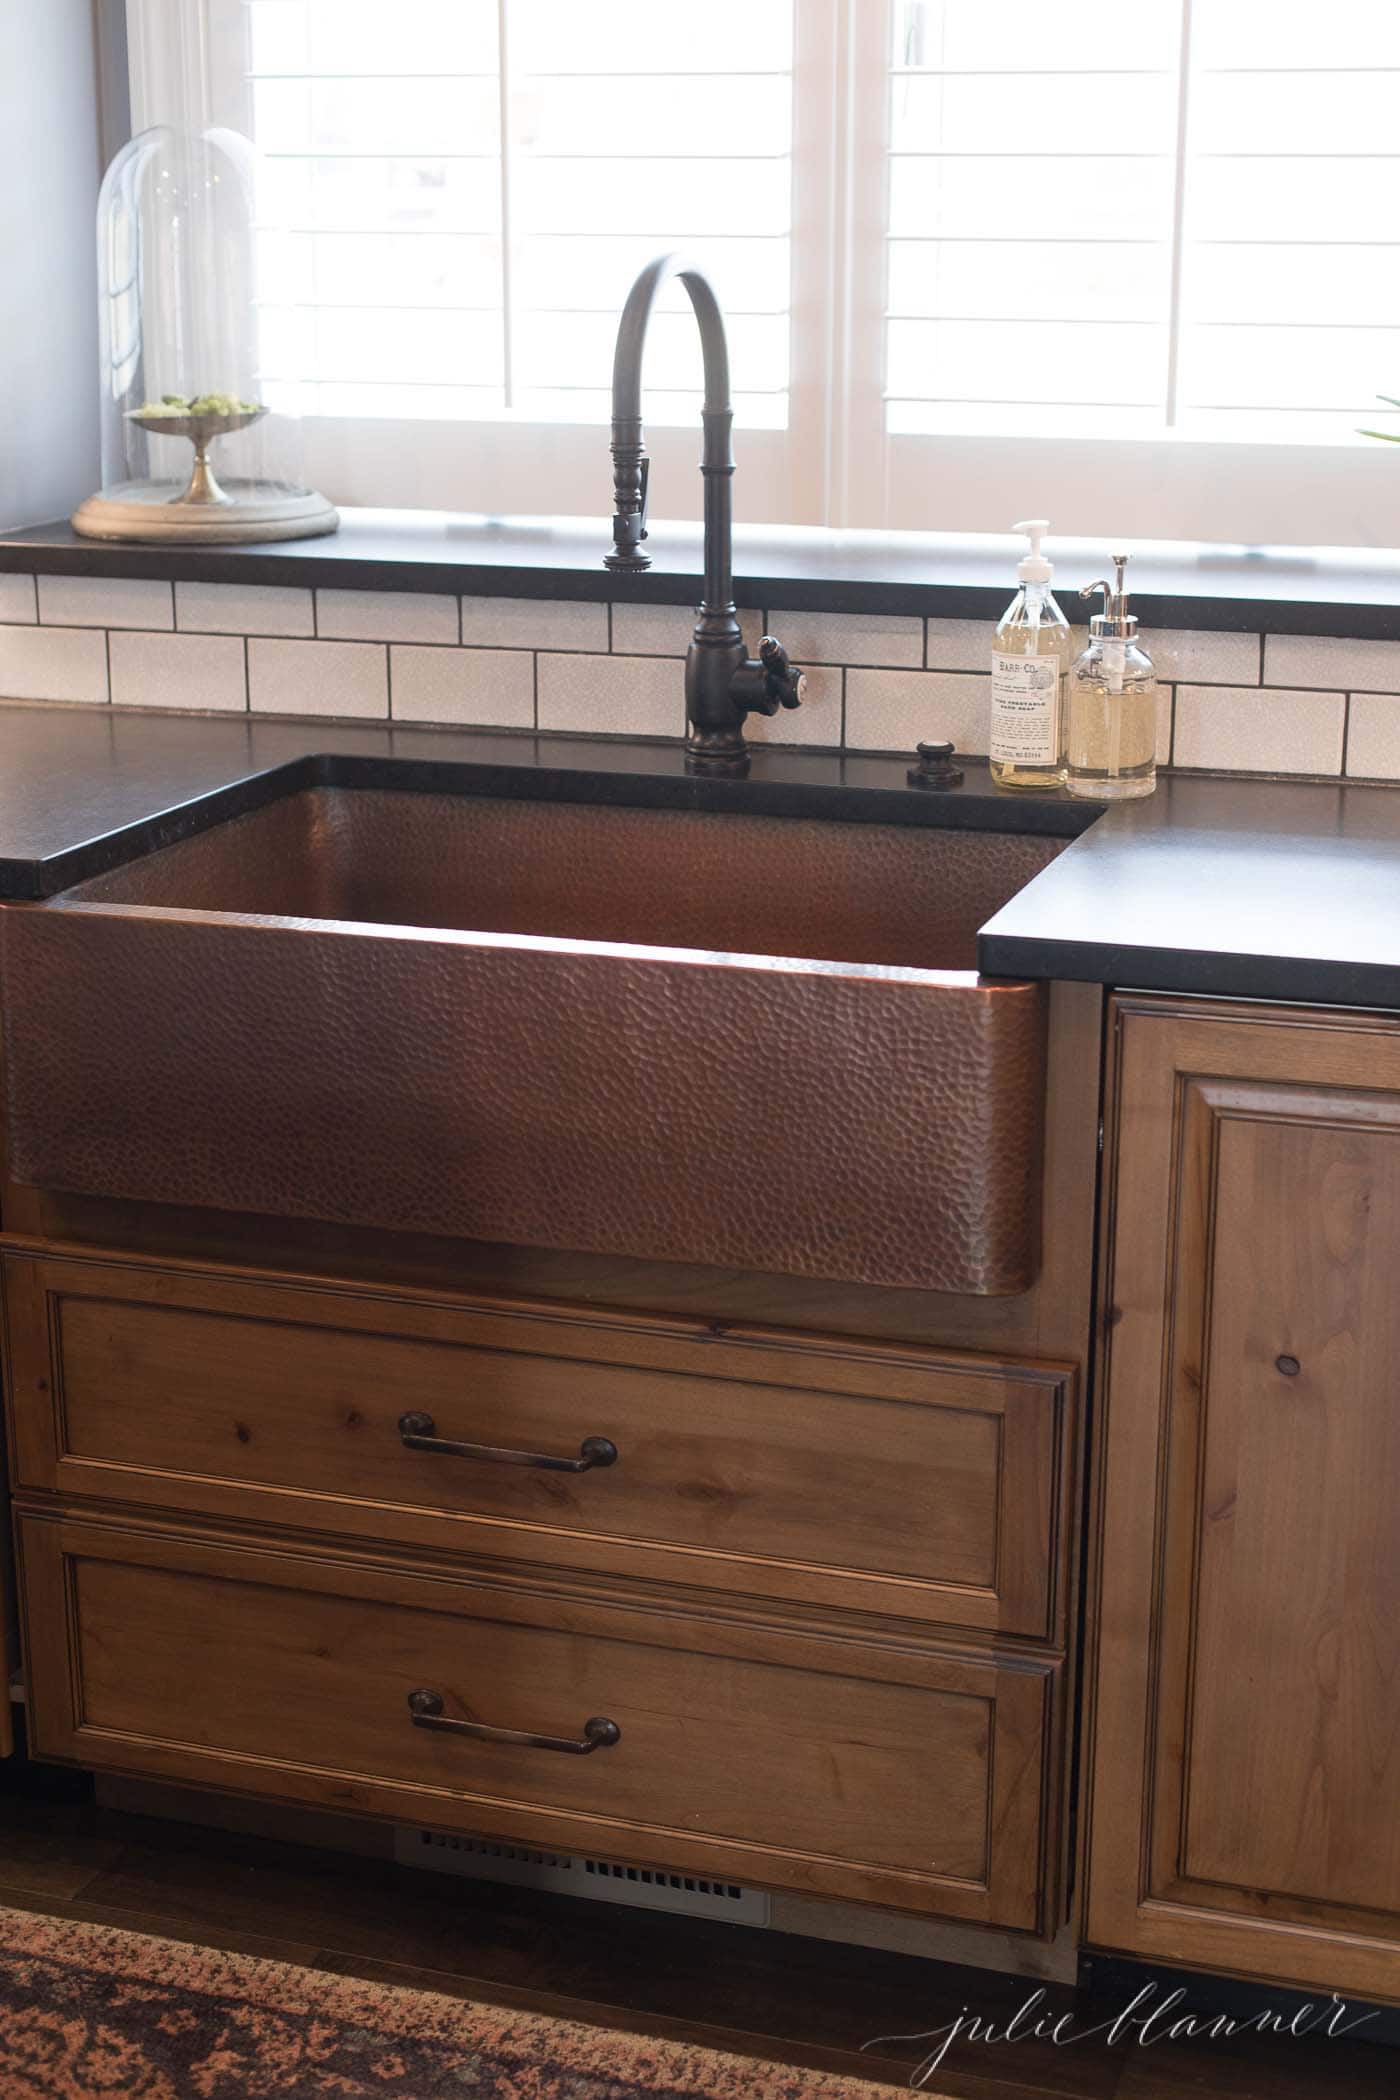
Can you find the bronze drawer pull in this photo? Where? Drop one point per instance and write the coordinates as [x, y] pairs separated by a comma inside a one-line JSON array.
[[598, 1734], [419, 1433]]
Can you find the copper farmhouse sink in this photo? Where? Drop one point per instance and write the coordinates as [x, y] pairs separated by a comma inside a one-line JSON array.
[[748, 1040]]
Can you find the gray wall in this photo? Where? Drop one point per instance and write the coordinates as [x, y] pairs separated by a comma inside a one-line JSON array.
[[50, 122]]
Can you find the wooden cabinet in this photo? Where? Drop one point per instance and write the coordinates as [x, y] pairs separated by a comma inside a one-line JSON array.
[[885, 1771], [820, 1584], [1245, 1807], [9, 1628]]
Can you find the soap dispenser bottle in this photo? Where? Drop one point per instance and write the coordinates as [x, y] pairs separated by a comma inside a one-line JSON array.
[[1112, 703], [1030, 660]]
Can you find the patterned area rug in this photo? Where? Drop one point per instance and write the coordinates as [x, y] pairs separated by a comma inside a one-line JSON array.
[[88, 2013]]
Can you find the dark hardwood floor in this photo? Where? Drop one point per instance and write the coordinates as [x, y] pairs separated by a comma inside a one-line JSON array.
[[759, 1993]]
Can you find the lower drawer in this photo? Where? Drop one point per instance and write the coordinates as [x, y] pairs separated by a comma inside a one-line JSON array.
[[888, 1772]]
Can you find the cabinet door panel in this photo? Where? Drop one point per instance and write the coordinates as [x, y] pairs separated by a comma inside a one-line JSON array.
[[1245, 1810], [1293, 1697]]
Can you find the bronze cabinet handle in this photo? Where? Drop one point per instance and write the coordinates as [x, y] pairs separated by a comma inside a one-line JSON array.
[[599, 1733], [419, 1433]]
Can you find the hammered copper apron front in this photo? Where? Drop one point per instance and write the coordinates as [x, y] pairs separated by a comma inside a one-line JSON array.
[[683, 1036]]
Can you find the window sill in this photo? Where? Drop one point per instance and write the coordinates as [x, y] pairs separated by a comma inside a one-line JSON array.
[[1282, 590]]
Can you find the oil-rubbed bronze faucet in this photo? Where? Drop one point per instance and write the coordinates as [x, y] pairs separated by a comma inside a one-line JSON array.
[[723, 684]]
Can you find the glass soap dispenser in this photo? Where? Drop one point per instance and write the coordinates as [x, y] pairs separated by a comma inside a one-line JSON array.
[[1030, 657], [1112, 703]]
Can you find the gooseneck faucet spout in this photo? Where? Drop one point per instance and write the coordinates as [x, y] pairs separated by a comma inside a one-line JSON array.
[[723, 685]]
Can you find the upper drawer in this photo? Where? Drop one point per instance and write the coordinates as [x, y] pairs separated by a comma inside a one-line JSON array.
[[843, 1474]]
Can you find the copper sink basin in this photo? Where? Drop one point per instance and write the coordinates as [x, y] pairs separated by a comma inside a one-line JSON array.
[[747, 1040]]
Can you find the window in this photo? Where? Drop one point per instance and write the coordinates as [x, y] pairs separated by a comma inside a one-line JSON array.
[[1135, 268], [1173, 224]]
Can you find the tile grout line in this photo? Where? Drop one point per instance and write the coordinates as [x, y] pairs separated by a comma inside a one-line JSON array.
[[1346, 733], [247, 680], [107, 655], [389, 679], [535, 684], [1259, 692]]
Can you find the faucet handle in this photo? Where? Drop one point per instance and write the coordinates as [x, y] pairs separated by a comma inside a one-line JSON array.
[[644, 478], [631, 476], [785, 684], [761, 685]]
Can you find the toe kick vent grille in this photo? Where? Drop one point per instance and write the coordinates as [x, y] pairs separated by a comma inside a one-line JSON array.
[[580, 1874]]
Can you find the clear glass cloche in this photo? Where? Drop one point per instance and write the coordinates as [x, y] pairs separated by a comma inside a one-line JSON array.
[[200, 441]]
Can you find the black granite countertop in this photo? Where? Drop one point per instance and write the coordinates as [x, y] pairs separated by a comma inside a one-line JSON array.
[[1284, 590], [1252, 888]]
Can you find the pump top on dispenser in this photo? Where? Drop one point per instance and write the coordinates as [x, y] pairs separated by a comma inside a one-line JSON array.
[[1034, 568], [1115, 621], [1030, 659]]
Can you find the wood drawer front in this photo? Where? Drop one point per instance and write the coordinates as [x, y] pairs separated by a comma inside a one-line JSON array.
[[891, 1773], [841, 1474]]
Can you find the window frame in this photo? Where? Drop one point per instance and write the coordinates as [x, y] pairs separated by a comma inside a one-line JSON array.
[[836, 465]]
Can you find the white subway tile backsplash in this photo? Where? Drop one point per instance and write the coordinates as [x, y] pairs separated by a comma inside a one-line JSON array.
[[1235, 729], [53, 663], [1373, 737], [533, 623], [895, 710], [18, 599], [1194, 656], [195, 671], [104, 601], [848, 638], [487, 688], [1325, 660], [817, 721], [665, 630], [960, 645], [243, 608], [386, 616], [318, 678], [875, 683], [614, 695]]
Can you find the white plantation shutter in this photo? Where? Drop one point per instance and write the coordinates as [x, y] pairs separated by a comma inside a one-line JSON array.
[[1174, 223], [1180, 214], [1136, 266], [475, 183], [1290, 312], [1030, 217]]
